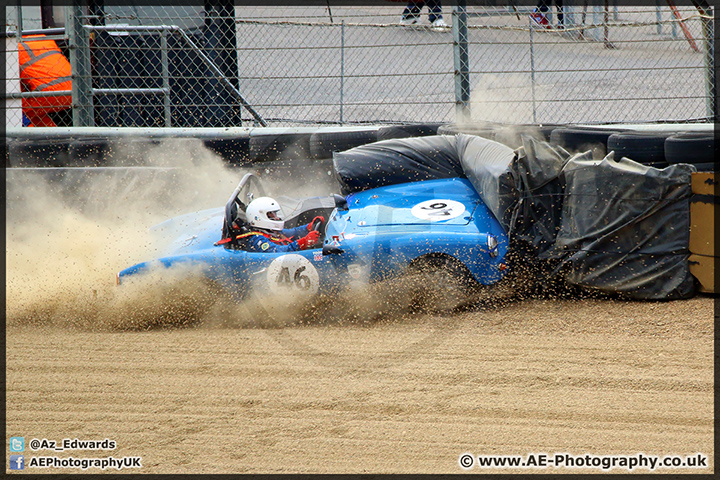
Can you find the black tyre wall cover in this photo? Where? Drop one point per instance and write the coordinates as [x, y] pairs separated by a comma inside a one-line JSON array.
[[626, 230], [279, 146], [404, 131], [643, 147], [579, 139], [395, 161], [691, 147], [481, 130], [323, 144]]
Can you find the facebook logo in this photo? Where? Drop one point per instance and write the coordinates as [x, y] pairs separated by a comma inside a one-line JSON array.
[[17, 462], [17, 444]]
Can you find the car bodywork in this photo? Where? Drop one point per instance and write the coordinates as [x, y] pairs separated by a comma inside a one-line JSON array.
[[369, 236]]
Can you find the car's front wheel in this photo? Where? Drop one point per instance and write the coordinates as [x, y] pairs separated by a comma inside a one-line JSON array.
[[440, 284]]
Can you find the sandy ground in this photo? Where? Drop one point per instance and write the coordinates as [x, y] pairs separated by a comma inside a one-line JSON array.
[[403, 395]]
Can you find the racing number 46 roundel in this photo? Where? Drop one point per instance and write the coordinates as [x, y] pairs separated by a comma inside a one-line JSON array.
[[436, 210], [293, 272]]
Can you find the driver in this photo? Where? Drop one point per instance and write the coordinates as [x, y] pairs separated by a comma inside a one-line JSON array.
[[268, 234]]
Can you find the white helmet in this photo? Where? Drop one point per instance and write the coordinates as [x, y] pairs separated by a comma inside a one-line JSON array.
[[265, 213]]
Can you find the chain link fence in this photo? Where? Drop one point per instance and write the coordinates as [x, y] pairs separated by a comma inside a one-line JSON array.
[[339, 64]]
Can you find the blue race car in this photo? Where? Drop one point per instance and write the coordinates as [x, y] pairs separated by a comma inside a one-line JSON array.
[[370, 236]]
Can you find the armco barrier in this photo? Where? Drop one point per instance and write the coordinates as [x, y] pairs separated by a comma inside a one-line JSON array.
[[238, 146], [95, 147], [88, 146]]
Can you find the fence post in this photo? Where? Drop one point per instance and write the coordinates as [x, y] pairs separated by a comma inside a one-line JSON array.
[[461, 61], [342, 69], [79, 46], [220, 46], [18, 17], [164, 54], [708, 29], [532, 69]]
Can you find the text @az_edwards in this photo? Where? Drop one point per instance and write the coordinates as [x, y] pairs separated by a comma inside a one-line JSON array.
[[586, 461], [71, 444]]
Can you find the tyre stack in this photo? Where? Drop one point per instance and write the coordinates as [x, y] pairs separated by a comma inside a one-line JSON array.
[[485, 130], [511, 135], [661, 149], [647, 148], [271, 146], [695, 148], [322, 144], [581, 139], [24, 153], [406, 131], [658, 148]]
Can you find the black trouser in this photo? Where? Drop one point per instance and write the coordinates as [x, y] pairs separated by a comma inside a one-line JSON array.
[[412, 10], [544, 6], [63, 118]]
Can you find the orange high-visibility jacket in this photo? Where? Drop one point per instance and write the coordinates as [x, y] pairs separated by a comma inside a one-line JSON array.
[[43, 68]]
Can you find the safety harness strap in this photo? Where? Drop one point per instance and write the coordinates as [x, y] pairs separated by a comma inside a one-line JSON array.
[[281, 241]]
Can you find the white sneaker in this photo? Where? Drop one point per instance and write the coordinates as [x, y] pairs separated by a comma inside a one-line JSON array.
[[439, 24], [409, 21]]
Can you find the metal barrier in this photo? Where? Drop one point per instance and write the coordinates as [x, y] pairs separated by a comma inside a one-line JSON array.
[[319, 65]]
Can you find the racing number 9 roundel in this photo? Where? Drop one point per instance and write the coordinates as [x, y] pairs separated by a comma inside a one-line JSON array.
[[436, 210]]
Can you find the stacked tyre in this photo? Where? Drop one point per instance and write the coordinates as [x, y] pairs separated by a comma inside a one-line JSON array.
[[405, 131], [92, 152], [695, 148], [511, 135], [647, 148], [582, 139], [37, 153], [323, 144], [478, 129], [267, 147], [235, 150], [659, 148]]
